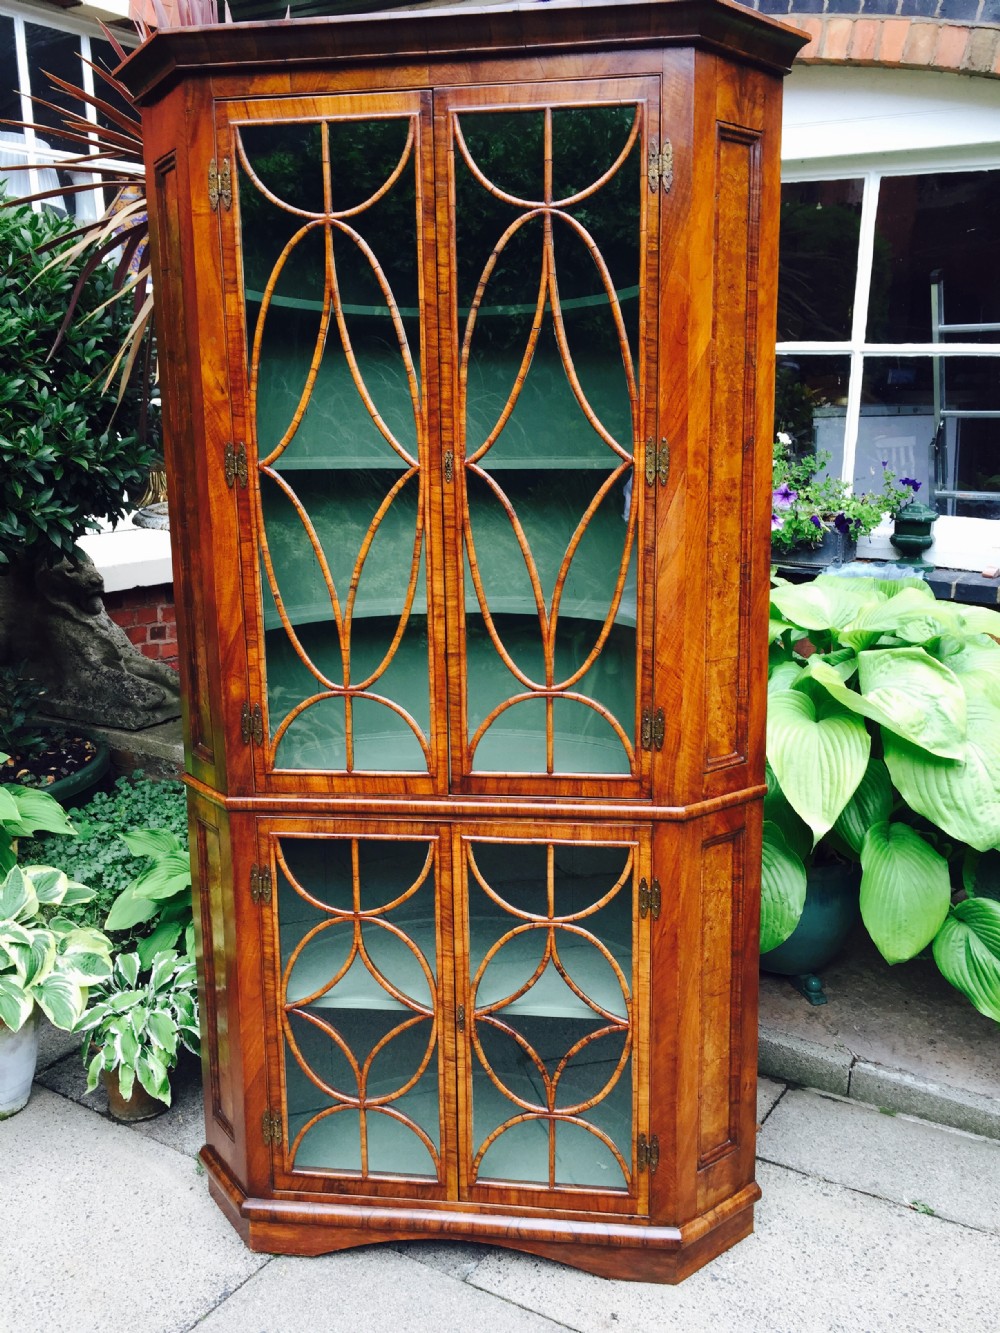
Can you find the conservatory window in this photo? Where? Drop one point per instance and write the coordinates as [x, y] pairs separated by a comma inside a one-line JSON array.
[[29, 45], [889, 329]]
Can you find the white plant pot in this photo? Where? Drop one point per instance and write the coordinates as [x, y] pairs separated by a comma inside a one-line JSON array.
[[18, 1057]]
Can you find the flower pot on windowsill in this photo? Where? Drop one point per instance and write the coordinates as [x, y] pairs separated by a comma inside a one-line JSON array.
[[836, 548], [912, 534]]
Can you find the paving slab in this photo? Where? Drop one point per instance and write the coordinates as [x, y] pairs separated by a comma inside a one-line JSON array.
[[768, 1094], [905, 1017], [915, 1094], [457, 1259], [374, 1288], [823, 1259], [901, 1159], [105, 1229]]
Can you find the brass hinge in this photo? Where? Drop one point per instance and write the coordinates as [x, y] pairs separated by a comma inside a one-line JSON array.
[[271, 1128], [260, 884], [663, 462], [660, 166], [659, 728], [460, 1018], [234, 462], [646, 730], [449, 465], [251, 724], [650, 462], [649, 899], [647, 1153], [220, 184]]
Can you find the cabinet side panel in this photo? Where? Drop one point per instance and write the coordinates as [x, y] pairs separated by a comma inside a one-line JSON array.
[[730, 476], [192, 625], [721, 885], [214, 1005]]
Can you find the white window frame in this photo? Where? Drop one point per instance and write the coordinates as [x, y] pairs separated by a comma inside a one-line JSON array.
[[856, 347]]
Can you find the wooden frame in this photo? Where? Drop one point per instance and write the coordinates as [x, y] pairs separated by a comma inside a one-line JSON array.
[[349, 907]]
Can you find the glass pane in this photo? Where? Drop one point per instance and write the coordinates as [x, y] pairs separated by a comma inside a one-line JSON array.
[[818, 264], [357, 932], [810, 406], [938, 231], [331, 274], [10, 100], [548, 323], [56, 53], [899, 425], [550, 965]]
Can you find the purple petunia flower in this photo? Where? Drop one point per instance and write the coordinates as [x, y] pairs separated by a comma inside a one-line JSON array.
[[776, 523], [912, 482], [843, 524], [784, 496], [815, 520]]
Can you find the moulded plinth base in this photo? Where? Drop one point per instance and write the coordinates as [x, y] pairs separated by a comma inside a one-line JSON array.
[[615, 1248]]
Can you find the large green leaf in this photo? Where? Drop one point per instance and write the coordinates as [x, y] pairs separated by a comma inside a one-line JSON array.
[[151, 842], [826, 603], [794, 829], [38, 812], [61, 1000], [818, 750], [9, 813], [870, 804], [967, 952], [128, 909], [910, 616], [906, 690], [15, 1004], [18, 900], [169, 875], [976, 663], [782, 889], [960, 796], [905, 890]]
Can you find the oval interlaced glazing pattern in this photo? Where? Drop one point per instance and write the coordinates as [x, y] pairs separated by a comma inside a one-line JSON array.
[[562, 1066], [572, 563], [343, 985], [334, 392]]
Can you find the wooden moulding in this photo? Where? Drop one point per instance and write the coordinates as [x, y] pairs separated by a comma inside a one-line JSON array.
[[618, 1249]]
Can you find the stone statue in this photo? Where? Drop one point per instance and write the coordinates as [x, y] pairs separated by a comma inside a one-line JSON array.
[[52, 619]]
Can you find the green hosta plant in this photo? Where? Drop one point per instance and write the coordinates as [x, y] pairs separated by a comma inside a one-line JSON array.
[[160, 894], [45, 958], [24, 811], [883, 747], [138, 1024]]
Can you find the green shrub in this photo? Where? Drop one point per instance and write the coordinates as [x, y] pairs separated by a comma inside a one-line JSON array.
[[69, 453], [100, 857]]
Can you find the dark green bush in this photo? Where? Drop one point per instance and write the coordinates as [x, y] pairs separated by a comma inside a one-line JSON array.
[[69, 452]]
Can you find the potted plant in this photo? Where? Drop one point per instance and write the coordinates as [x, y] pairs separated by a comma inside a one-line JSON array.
[[883, 745], [66, 765], [911, 533], [817, 519], [135, 1027], [47, 963]]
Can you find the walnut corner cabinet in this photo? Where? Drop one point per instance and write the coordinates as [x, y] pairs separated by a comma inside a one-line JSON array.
[[466, 330]]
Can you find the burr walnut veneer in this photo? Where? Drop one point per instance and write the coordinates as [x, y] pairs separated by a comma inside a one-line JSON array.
[[466, 327]]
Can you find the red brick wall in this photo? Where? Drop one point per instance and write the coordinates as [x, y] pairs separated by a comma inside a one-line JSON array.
[[147, 617]]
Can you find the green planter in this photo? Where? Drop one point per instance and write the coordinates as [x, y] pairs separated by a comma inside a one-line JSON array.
[[830, 913], [912, 534]]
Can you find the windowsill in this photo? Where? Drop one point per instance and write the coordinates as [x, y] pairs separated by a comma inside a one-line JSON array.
[[130, 557]]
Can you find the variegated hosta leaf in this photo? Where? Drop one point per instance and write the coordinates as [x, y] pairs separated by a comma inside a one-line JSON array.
[[782, 889], [828, 603], [15, 1003], [960, 796], [41, 957], [87, 969], [50, 884], [819, 751], [906, 690], [154, 1076], [967, 952], [905, 890], [61, 1000], [870, 804], [18, 900]]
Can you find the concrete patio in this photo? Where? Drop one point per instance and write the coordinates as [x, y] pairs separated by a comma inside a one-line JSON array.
[[871, 1220]]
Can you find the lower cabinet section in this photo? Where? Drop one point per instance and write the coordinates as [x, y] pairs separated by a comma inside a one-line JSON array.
[[484, 1028]]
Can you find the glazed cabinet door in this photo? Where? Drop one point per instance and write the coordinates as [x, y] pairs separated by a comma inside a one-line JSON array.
[[553, 996], [357, 981], [328, 251], [547, 234]]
